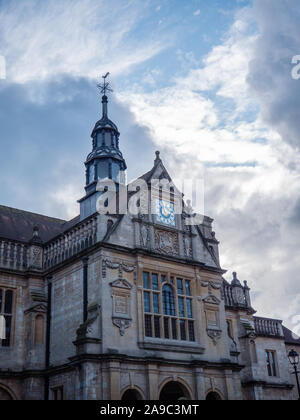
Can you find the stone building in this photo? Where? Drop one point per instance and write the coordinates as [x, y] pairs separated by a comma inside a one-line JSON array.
[[129, 306]]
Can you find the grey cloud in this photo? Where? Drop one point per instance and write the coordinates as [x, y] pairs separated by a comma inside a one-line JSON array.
[[44, 143], [269, 77]]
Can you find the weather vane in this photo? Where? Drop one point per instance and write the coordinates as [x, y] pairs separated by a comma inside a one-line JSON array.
[[105, 86]]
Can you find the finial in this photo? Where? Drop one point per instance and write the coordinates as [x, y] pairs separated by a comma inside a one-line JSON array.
[[36, 235], [157, 157], [104, 88], [234, 275]]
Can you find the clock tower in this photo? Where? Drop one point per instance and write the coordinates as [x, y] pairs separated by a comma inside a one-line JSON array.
[[106, 160]]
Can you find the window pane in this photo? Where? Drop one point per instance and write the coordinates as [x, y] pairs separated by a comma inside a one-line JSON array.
[[182, 330], [168, 300], [166, 327], [146, 280], [188, 288], [6, 342], [180, 286], [163, 278], [156, 303], [157, 326], [8, 302], [174, 329], [268, 363], [273, 364], [191, 331], [148, 326], [189, 308], [154, 281], [1, 292], [181, 306], [172, 280], [147, 302]]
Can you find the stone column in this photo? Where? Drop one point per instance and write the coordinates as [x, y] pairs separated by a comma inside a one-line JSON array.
[[114, 383], [200, 384], [152, 382]]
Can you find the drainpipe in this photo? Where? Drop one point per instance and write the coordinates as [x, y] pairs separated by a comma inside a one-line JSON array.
[[48, 337], [85, 261]]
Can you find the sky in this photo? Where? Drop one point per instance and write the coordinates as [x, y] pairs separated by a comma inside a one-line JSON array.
[[209, 84]]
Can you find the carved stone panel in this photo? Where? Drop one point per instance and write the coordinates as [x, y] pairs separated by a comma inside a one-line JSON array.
[[121, 304], [166, 242]]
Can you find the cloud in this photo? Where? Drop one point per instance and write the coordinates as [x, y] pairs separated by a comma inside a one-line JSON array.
[[197, 12], [209, 124], [270, 69], [78, 37]]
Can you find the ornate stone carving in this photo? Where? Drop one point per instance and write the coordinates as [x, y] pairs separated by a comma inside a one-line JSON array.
[[106, 263], [121, 304], [36, 256], [123, 324], [211, 285], [187, 244], [166, 242], [211, 299], [145, 236], [215, 335]]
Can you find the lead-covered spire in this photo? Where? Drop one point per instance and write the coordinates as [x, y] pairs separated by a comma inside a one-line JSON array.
[[106, 159]]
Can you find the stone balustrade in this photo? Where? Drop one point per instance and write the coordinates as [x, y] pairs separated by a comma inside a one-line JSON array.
[[71, 243], [228, 297], [268, 327], [13, 255], [18, 256]]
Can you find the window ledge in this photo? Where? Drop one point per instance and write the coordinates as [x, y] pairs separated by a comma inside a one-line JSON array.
[[178, 348]]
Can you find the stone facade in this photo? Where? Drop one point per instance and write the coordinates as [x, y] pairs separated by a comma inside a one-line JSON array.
[[122, 306]]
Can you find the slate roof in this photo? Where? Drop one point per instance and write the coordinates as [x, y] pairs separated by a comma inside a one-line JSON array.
[[290, 337], [17, 225]]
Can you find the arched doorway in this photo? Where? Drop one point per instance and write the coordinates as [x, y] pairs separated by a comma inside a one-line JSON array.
[[5, 395], [131, 395], [174, 391], [213, 396]]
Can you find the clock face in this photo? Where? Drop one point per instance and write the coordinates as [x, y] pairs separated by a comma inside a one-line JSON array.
[[165, 212]]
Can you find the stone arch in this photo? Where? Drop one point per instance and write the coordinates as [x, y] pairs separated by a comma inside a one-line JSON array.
[[174, 389], [214, 395], [6, 394], [132, 393]]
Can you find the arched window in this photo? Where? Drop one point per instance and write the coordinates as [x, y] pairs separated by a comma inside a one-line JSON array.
[[213, 396], [168, 300], [39, 330], [168, 307]]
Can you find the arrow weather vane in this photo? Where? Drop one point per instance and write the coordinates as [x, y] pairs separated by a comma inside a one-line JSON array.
[[105, 86]]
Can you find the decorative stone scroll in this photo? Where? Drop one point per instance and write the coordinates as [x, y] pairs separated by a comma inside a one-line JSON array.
[[166, 242]]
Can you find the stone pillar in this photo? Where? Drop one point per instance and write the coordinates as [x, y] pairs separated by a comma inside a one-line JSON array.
[[152, 382], [114, 383], [200, 384], [229, 385]]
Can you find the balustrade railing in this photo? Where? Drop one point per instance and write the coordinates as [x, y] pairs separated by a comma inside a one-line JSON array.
[[13, 255], [268, 327], [71, 243], [17, 256]]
